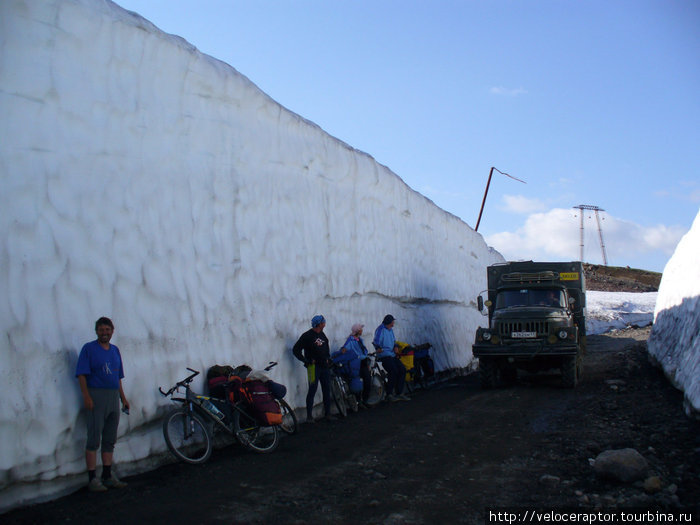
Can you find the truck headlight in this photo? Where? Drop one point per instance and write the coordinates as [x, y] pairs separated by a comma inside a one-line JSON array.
[[486, 336], [563, 334]]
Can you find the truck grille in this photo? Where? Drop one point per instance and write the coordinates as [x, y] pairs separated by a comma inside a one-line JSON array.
[[540, 327]]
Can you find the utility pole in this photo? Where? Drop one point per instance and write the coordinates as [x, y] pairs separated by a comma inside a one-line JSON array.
[[488, 183], [596, 209]]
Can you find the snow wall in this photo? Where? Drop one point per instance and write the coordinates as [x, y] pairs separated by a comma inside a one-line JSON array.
[[148, 182], [674, 342]]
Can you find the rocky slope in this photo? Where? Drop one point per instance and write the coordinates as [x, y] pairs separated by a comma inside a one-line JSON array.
[[620, 279]]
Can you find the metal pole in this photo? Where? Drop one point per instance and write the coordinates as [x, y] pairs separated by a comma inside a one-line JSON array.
[[596, 209], [581, 231], [600, 234], [488, 183]]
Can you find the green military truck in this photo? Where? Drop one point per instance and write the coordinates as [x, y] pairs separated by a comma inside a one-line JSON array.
[[537, 321]]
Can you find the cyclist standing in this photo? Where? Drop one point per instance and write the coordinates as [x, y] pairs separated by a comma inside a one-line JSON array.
[[313, 350], [100, 371], [385, 343]]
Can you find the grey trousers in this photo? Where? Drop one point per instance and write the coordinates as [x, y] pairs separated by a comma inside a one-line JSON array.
[[103, 420]]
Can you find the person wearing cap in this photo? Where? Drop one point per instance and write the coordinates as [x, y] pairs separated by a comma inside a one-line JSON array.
[[355, 344], [313, 350], [385, 343]]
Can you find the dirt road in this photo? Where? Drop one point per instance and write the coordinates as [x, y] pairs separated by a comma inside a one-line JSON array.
[[444, 457]]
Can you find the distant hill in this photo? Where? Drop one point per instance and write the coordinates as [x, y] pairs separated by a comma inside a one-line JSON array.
[[620, 279]]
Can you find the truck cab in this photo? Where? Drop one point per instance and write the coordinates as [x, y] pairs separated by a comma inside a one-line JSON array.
[[537, 322]]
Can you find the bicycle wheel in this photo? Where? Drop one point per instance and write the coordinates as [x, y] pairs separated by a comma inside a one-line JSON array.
[[187, 436], [339, 396], [252, 435], [376, 393], [569, 371], [351, 400], [409, 384], [289, 418]]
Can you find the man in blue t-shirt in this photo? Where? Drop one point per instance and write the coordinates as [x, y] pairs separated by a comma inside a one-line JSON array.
[[100, 372]]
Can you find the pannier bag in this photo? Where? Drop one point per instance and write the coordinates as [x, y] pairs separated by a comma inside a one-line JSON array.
[[218, 371], [234, 389], [277, 390], [428, 366], [416, 356], [261, 402], [217, 378], [422, 351], [348, 363], [407, 361]]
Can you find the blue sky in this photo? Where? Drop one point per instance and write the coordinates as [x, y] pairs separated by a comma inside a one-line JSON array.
[[589, 102]]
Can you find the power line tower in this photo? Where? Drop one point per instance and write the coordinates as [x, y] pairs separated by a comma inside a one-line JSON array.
[[596, 209]]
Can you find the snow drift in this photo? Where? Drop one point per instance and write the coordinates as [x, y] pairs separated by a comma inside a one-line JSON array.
[[674, 341], [145, 181]]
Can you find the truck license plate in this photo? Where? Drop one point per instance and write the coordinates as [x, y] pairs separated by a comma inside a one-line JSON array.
[[523, 335]]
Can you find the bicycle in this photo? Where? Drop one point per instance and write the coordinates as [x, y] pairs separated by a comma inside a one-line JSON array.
[[379, 379], [189, 429], [422, 372], [340, 389], [413, 373], [415, 358]]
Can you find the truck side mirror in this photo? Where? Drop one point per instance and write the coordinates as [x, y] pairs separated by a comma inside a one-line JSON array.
[[480, 303]]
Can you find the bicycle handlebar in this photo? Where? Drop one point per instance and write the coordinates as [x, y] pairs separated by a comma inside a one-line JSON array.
[[184, 382]]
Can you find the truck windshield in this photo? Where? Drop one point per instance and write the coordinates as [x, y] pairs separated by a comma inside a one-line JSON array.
[[527, 297]]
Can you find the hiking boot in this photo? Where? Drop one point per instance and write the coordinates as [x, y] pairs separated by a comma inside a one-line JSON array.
[[113, 482], [96, 485], [392, 398], [403, 397]]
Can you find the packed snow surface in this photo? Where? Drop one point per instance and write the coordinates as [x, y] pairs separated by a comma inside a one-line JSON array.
[[148, 182], [675, 337], [609, 311]]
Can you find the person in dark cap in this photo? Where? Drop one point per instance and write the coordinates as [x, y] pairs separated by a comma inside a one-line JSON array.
[[313, 350], [385, 343]]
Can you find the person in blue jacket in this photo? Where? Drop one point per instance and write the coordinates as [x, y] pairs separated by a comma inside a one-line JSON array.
[[355, 344], [100, 371], [385, 343]]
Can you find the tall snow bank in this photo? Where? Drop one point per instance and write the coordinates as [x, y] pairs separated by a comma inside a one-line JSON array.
[[606, 311], [148, 182], [674, 341]]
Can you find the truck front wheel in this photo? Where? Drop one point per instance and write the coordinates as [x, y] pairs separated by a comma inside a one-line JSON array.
[[569, 371], [488, 372], [509, 374]]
